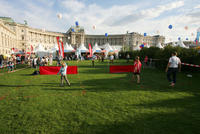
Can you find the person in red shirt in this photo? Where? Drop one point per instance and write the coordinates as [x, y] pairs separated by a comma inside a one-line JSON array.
[[137, 69]]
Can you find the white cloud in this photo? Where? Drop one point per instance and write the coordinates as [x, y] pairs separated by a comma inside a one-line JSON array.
[[73, 5]]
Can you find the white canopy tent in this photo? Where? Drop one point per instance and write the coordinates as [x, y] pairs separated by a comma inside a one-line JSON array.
[[82, 48], [40, 51], [159, 45], [108, 49], [174, 44], [137, 48], [53, 50], [181, 44], [96, 49], [68, 48]]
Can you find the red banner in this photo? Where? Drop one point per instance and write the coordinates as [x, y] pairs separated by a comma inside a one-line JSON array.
[[90, 50], [53, 70], [121, 69]]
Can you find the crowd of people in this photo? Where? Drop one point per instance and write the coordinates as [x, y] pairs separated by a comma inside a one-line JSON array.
[[35, 61]]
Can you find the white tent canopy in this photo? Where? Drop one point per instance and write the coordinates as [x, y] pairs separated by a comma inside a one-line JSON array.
[[174, 44], [71, 48], [68, 48], [39, 48], [82, 48], [108, 49], [96, 48], [54, 49], [40, 51], [181, 44], [159, 45], [137, 48], [147, 46]]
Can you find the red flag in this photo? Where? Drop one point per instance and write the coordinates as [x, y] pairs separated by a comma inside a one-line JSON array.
[[31, 48], [90, 50], [62, 49], [58, 45]]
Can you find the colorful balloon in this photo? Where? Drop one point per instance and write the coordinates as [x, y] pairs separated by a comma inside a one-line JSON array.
[[145, 34], [179, 38], [170, 26], [186, 38], [186, 27], [59, 15], [106, 34], [141, 46], [73, 30], [94, 27], [76, 23]]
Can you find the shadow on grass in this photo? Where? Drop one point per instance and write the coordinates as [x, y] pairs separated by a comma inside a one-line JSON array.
[[159, 118]]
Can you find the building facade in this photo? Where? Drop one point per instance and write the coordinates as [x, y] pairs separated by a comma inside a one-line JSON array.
[[22, 37]]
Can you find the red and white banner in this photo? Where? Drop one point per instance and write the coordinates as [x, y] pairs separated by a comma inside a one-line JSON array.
[[192, 65], [31, 49], [59, 47], [90, 50], [53, 70], [62, 49]]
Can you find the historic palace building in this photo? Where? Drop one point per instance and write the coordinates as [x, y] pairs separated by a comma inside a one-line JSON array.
[[21, 36]]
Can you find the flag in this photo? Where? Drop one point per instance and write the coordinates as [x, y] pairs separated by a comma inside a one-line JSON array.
[[31, 48], [90, 50], [58, 45], [62, 49]]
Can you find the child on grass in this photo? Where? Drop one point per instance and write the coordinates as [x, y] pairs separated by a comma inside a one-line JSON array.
[[63, 71], [137, 69]]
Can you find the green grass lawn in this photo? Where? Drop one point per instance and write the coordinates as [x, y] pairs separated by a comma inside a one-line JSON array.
[[99, 103]]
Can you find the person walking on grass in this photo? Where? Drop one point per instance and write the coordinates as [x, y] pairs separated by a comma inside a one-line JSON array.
[[137, 69], [63, 72], [172, 67]]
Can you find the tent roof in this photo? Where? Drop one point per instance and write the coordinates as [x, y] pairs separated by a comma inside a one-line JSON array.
[[82, 48], [159, 45], [137, 48], [181, 44], [39, 48]]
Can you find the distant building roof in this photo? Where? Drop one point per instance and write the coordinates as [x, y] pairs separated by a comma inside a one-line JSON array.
[[7, 19]]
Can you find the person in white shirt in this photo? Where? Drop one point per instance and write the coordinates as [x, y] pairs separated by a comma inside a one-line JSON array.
[[111, 59], [51, 59], [172, 68]]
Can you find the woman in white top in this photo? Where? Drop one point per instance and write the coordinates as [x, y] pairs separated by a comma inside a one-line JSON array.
[[172, 68]]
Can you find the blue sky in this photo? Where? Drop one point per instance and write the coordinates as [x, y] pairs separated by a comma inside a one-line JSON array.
[[109, 16]]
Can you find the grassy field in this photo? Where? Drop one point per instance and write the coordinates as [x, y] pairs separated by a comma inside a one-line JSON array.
[[99, 103]]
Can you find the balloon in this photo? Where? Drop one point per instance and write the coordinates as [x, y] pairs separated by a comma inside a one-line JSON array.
[[170, 26], [94, 27], [141, 46], [73, 30], [179, 38], [145, 34], [76, 23], [106, 34], [186, 27], [59, 15], [186, 38]]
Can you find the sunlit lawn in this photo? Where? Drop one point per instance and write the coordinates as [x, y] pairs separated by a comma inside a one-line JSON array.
[[99, 102]]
